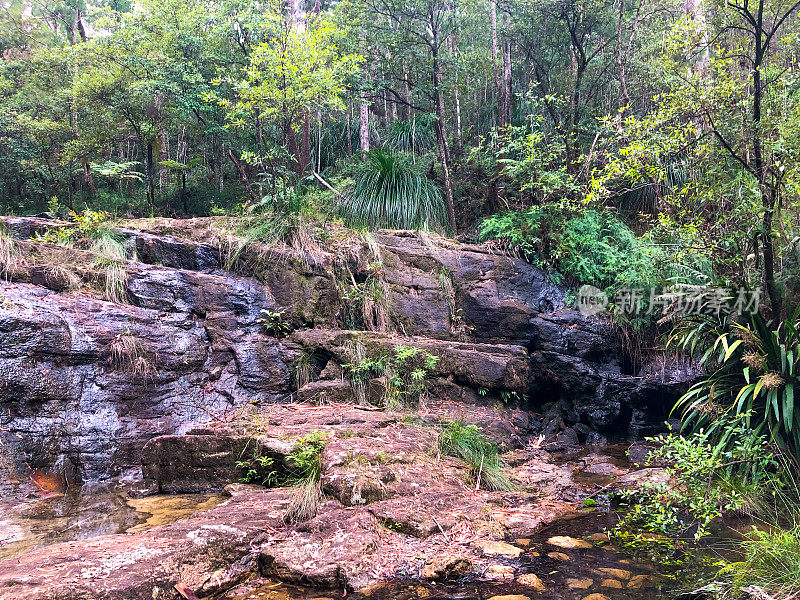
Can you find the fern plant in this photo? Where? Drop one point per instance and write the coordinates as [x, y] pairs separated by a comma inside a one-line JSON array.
[[755, 378], [388, 192]]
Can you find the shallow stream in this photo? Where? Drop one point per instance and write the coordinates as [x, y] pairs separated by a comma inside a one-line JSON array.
[[47, 518]]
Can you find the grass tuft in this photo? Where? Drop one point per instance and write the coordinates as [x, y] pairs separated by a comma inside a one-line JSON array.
[[129, 354], [468, 444], [10, 256], [306, 458]]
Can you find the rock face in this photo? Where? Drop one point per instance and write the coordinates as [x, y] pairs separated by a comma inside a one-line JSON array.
[[392, 508], [86, 383]]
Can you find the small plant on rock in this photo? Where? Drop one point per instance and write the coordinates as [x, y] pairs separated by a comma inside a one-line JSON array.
[[259, 469], [468, 444], [405, 372], [274, 322], [306, 459], [129, 354]]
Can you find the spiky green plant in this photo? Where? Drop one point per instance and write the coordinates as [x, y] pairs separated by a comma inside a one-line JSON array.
[[755, 375], [415, 135], [467, 443], [388, 192]]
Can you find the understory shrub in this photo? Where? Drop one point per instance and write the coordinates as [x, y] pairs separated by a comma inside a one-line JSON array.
[[589, 246], [700, 484], [754, 375]]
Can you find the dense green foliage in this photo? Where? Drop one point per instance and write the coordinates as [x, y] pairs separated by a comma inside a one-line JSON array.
[[754, 376]]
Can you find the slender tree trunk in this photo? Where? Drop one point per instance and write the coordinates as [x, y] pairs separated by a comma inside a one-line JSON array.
[[506, 83], [363, 114], [151, 190], [769, 192], [243, 174], [305, 145], [441, 136], [349, 134], [696, 10]]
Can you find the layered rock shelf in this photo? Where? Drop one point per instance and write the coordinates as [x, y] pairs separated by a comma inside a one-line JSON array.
[[211, 351]]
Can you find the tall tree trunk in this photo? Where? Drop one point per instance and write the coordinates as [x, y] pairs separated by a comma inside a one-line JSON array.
[[506, 82], [305, 145], [441, 137], [363, 115], [769, 192], [151, 190], [696, 10]]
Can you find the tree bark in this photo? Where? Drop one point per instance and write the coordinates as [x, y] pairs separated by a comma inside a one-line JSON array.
[[243, 174], [441, 136], [363, 114]]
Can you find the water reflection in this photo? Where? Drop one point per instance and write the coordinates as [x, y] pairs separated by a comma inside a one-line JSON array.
[[79, 513]]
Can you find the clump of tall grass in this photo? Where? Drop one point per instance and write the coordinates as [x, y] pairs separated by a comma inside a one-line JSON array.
[[771, 563], [129, 354], [10, 256], [110, 261], [468, 444], [388, 192], [306, 460]]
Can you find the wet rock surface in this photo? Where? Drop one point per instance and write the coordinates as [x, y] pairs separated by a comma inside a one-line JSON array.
[[71, 404], [393, 509], [187, 380]]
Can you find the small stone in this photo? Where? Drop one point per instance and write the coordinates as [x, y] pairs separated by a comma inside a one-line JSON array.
[[568, 543], [510, 597], [615, 573], [638, 582], [613, 584], [532, 581], [579, 584], [599, 537], [499, 572], [595, 597], [444, 567], [495, 548], [523, 542], [559, 556]]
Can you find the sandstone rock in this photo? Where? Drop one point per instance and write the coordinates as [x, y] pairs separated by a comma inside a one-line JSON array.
[[599, 537], [615, 573], [611, 584], [583, 583], [595, 597], [638, 582], [322, 392], [180, 464], [532, 581], [207, 552], [568, 543], [445, 567], [510, 597], [502, 572], [496, 548], [559, 556]]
